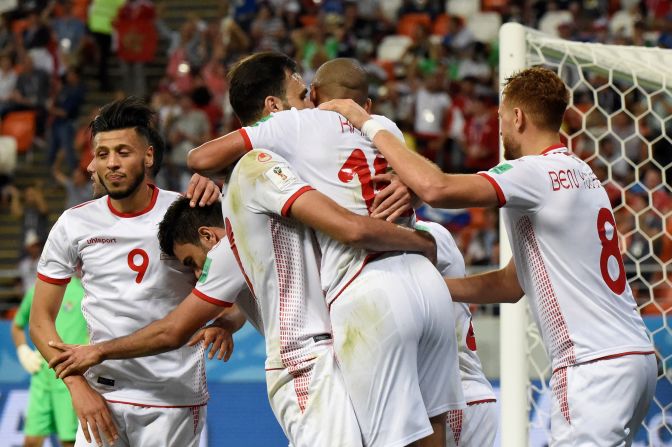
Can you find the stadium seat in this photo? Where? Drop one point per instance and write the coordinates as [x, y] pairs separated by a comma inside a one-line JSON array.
[[485, 26], [392, 48], [409, 22], [20, 125], [441, 25], [463, 8]]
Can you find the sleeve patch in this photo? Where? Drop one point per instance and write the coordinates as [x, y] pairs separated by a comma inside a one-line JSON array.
[[501, 169], [281, 177], [205, 271]]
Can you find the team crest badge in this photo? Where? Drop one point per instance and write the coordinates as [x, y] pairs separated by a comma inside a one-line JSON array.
[[263, 157]]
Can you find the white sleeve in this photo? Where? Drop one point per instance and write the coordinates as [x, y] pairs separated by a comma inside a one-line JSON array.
[[221, 281], [277, 132], [449, 260], [390, 126], [59, 258], [520, 184], [275, 186]]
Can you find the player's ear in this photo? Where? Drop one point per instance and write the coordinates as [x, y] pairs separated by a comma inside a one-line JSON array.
[[272, 104], [149, 157], [368, 105], [207, 237], [519, 119]]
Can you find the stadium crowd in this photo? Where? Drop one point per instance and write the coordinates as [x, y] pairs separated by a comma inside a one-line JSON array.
[[432, 67]]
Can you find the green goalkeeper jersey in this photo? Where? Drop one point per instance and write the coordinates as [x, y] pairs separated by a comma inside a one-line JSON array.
[[70, 323]]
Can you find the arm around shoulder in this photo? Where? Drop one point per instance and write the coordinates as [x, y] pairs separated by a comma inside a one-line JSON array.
[[215, 155], [498, 286]]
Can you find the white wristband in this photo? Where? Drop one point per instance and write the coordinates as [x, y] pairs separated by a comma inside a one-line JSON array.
[[371, 128]]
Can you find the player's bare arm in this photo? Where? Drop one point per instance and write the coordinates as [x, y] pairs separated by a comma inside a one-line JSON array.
[[212, 157], [321, 213], [498, 286], [90, 407], [421, 175], [202, 190], [163, 335]]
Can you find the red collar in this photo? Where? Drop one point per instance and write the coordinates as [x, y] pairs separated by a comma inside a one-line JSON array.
[[553, 147], [152, 202]]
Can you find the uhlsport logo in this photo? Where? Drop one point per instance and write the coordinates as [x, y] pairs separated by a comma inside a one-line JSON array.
[[101, 240]]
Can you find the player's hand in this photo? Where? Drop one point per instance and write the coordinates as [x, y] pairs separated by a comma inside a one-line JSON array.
[[393, 200], [74, 359], [92, 412], [202, 191], [217, 338], [352, 111], [29, 359]]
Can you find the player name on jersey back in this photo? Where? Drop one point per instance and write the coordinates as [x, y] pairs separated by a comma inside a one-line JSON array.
[[128, 285]]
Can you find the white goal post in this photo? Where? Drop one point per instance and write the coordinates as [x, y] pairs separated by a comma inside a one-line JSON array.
[[620, 111]]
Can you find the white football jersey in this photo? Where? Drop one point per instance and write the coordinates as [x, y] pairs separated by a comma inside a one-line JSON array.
[[450, 263], [565, 247], [222, 283], [279, 257], [333, 156], [129, 283]]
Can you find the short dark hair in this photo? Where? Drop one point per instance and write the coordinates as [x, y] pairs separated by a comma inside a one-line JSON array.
[[131, 113], [181, 222], [541, 94], [254, 78]]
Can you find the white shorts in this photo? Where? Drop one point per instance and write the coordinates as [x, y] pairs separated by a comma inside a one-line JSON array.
[[152, 426], [312, 405], [602, 402], [475, 426], [395, 342]]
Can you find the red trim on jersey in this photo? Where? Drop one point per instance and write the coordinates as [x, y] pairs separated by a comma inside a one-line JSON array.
[[154, 406], [501, 199], [56, 281], [551, 148], [234, 249], [367, 259], [210, 299], [82, 204], [482, 401], [148, 208], [246, 137], [288, 204], [608, 357]]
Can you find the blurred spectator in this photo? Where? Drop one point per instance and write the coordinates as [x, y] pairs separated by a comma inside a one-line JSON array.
[[77, 186], [267, 29], [179, 69], [69, 33], [28, 263], [7, 82], [202, 99], [101, 16], [32, 93], [431, 106], [7, 38], [64, 110], [35, 40], [138, 41], [32, 209], [190, 129], [483, 242], [481, 132]]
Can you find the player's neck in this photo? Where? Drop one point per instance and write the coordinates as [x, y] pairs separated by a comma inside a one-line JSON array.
[[537, 142], [220, 232], [137, 201]]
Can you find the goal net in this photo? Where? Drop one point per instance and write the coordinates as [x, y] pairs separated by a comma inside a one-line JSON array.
[[620, 121]]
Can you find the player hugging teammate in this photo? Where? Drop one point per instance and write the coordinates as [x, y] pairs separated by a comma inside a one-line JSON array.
[[352, 308]]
